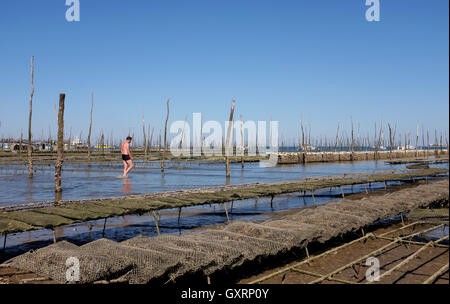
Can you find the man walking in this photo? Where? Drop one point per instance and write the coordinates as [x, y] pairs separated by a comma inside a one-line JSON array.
[[126, 156]]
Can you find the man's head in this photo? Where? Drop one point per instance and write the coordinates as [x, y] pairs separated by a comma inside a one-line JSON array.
[[129, 138]]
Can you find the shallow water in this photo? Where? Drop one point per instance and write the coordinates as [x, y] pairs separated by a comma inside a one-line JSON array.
[[99, 180], [192, 218], [80, 181]]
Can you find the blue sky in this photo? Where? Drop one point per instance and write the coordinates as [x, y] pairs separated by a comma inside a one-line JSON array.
[[278, 59]]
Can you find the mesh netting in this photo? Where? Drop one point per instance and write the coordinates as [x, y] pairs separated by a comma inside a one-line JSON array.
[[191, 259], [248, 247], [50, 262], [142, 259], [149, 264]]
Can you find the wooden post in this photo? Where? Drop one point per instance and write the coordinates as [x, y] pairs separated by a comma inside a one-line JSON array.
[[227, 142], [4, 241], [446, 142], [182, 137], [179, 215], [226, 211], [436, 144], [149, 140], [104, 227], [90, 129], [70, 138], [406, 144], [417, 140], [242, 142], [102, 143], [163, 162], [60, 160], [337, 138], [145, 136], [29, 148], [159, 144], [352, 145], [391, 143], [156, 221], [309, 136], [20, 143]]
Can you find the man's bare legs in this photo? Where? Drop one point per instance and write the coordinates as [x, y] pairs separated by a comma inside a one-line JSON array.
[[127, 166]]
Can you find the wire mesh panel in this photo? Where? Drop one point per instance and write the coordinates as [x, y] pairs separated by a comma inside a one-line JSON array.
[[142, 259], [149, 264], [50, 262]]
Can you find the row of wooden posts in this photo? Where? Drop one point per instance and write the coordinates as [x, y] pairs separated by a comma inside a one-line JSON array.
[[60, 141], [60, 147], [305, 139], [358, 143], [304, 142]]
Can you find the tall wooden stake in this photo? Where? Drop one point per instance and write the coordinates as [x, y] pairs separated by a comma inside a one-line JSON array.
[[242, 142], [163, 162], [353, 140], [90, 129], [20, 143], [337, 137], [102, 144], [145, 136], [391, 142], [227, 142], [150, 140], [29, 148], [60, 157]]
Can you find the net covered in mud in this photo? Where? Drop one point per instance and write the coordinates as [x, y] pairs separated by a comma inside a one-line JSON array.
[[167, 257], [43, 215]]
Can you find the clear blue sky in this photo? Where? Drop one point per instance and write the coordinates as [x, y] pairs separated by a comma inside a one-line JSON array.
[[276, 58]]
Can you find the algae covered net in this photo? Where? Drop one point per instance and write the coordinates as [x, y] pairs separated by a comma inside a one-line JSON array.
[[168, 257]]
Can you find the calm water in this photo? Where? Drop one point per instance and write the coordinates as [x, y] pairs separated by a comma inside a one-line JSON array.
[[100, 180]]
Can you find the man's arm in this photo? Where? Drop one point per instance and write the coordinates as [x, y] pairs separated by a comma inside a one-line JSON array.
[[129, 152]]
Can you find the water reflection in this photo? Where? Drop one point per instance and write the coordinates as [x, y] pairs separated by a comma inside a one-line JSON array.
[[100, 179], [58, 196], [127, 185], [29, 190]]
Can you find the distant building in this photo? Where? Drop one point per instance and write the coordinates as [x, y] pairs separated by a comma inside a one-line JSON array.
[[43, 146], [37, 146], [76, 142]]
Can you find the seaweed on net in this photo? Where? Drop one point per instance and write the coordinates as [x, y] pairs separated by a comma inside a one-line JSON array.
[[143, 259]]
